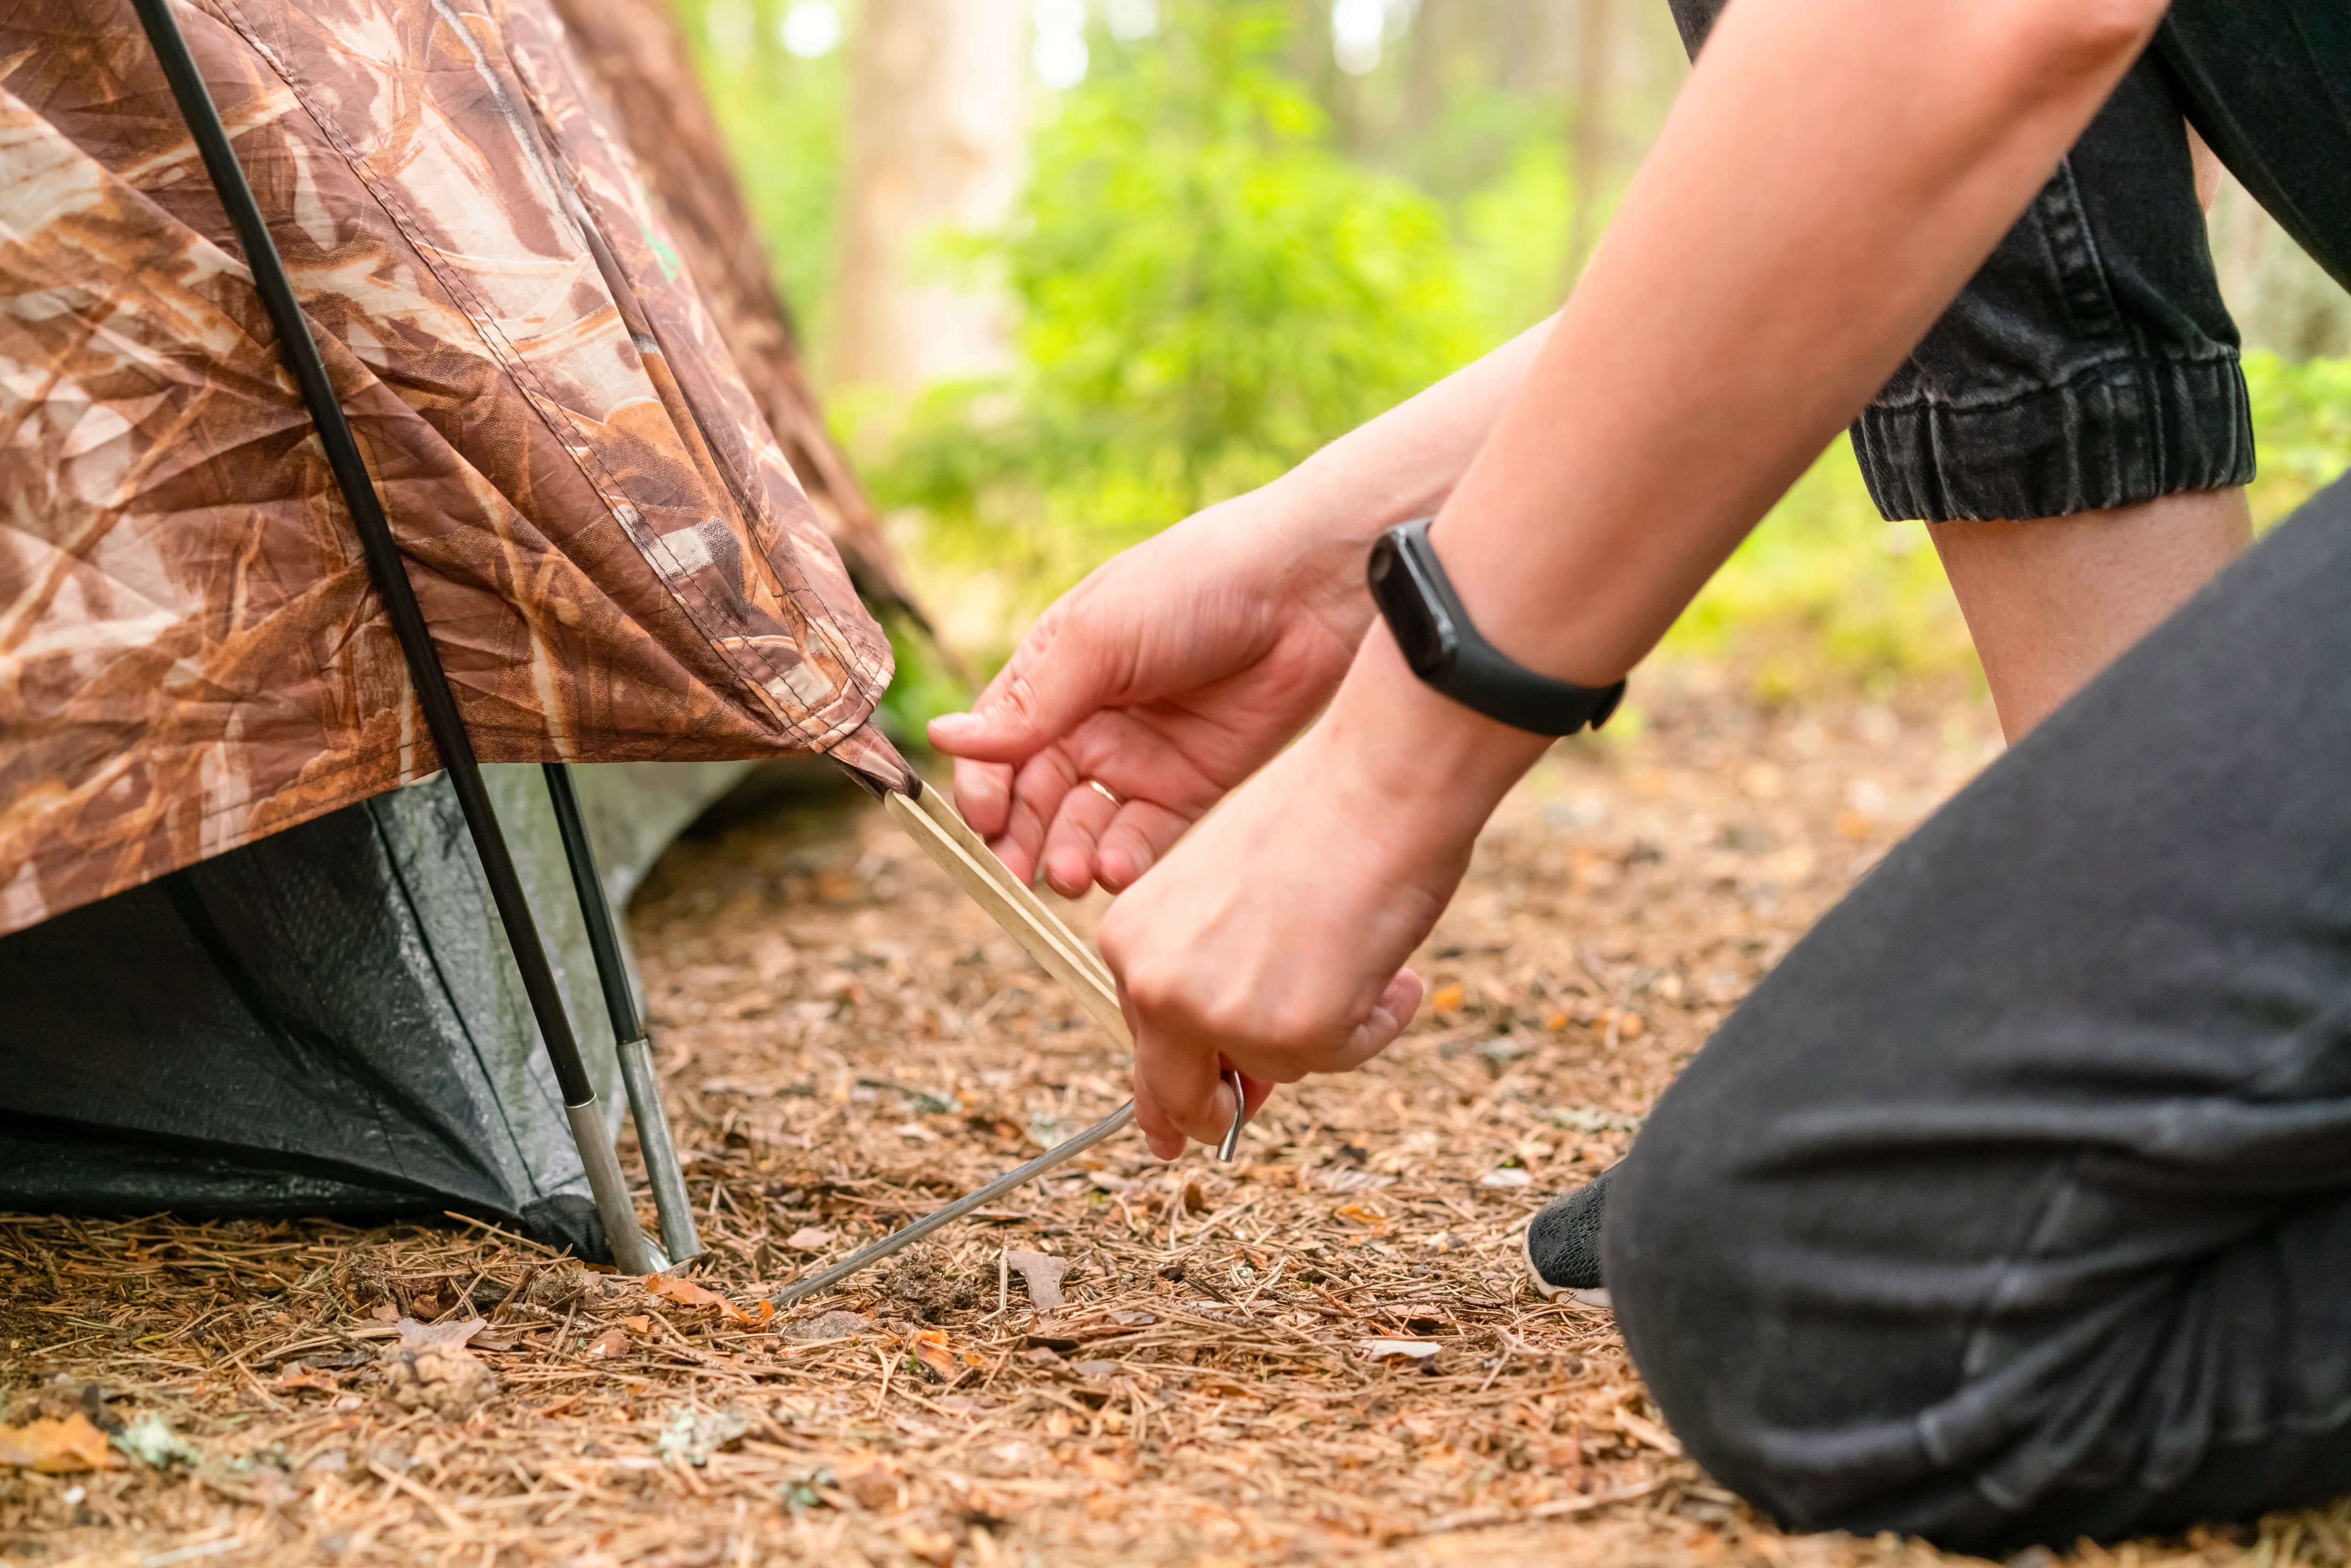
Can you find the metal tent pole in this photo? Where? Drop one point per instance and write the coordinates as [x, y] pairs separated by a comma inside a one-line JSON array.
[[631, 1249], [662, 1169]]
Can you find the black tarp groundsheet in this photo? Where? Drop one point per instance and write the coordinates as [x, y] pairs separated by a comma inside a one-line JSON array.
[[327, 1021]]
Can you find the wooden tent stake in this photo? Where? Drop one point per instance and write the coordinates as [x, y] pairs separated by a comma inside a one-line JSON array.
[[959, 852], [931, 820]]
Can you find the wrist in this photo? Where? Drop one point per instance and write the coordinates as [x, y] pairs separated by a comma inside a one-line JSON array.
[[1430, 769], [1311, 549]]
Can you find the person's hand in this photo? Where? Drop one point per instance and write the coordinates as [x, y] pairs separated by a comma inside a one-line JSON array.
[[1166, 677], [1273, 940]]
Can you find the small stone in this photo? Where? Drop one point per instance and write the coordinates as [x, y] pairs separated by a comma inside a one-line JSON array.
[[831, 1326], [449, 1380], [1409, 1349]]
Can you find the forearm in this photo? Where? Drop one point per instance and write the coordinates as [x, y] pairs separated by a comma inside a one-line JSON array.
[[1395, 468], [1831, 176], [1402, 465]]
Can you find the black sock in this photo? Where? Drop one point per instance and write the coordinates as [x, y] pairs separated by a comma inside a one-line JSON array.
[[1563, 1240]]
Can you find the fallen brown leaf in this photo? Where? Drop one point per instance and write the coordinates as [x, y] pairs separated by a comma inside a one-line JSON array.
[[297, 1375], [871, 1483], [931, 1349], [56, 1447], [1042, 1274], [685, 1292]]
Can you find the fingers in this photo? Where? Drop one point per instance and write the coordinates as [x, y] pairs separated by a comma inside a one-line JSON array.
[[1092, 840], [983, 796], [1181, 1094], [1255, 1092], [1165, 1138], [1180, 1097], [1080, 818], [1389, 1018], [1141, 835], [1041, 788], [1168, 1140], [1063, 670]]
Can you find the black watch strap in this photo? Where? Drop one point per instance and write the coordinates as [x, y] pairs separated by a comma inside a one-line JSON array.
[[1445, 649]]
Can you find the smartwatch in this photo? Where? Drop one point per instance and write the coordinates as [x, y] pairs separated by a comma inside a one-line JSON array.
[[1445, 652]]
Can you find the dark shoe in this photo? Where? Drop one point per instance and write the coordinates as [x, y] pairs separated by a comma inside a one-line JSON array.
[[1562, 1244]]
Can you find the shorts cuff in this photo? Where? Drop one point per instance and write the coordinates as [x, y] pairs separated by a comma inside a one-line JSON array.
[[2125, 433]]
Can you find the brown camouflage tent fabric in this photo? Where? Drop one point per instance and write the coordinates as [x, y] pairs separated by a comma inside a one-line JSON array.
[[616, 556], [638, 56]]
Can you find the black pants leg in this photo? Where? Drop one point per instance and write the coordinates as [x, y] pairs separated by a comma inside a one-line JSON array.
[[2089, 363], [2016, 1204]]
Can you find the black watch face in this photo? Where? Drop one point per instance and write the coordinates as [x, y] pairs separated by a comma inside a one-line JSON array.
[[1409, 609]]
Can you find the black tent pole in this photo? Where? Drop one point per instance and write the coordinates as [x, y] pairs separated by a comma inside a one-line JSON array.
[[631, 1248], [679, 1238]]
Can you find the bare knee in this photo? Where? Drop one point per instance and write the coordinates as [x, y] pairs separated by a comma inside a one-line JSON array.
[[2052, 601]]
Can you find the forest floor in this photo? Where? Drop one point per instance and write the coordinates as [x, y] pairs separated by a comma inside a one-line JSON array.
[[846, 1042]]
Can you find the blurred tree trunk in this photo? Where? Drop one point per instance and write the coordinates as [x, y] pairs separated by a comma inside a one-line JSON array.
[[938, 123], [640, 60], [1424, 84], [1529, 39], [2282, 299], [1590, 144]]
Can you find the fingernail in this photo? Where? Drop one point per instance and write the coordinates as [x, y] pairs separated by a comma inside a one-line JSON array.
[[951, 727]]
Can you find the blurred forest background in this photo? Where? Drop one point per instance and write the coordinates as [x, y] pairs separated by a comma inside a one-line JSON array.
[[1068, 270]]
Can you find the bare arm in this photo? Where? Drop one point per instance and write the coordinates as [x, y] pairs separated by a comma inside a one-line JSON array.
[[1831, 176], [1833, 172], [1179, 668], [1406, 462]]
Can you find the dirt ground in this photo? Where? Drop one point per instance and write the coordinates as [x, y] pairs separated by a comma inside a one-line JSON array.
[[846, 1042]]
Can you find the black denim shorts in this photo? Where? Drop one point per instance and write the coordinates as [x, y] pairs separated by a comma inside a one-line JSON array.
[[2091, 363]]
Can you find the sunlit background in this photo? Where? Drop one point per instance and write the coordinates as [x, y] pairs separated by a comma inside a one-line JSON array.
[[1068, 270]]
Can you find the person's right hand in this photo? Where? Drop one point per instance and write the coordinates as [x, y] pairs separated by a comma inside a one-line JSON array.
[[1169, 675]]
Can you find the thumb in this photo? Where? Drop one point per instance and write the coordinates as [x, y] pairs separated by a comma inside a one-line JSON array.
[[1063, 670]]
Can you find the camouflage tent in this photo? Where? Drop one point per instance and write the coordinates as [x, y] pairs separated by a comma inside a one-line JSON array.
[[616, 556], [566, 375]]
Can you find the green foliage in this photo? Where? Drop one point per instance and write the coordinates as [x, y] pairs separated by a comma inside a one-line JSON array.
[[2302, 428], [1514, 240], [1207, 288], [1207, 292], [1827, 595], [922, 689], [785, 120]]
